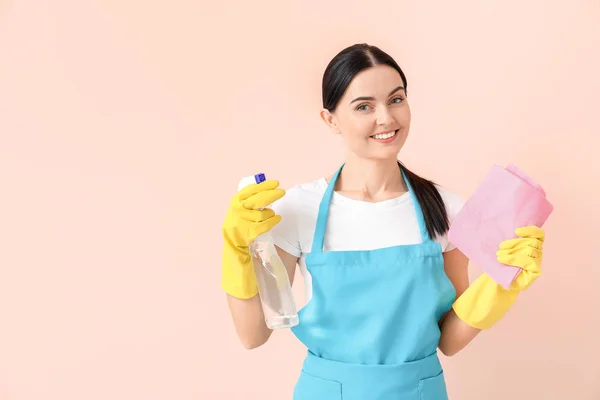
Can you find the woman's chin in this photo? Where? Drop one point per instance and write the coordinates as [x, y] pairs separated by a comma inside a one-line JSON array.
[[388, 152]]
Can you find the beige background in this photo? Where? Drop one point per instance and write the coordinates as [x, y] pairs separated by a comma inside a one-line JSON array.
[[125, 126]]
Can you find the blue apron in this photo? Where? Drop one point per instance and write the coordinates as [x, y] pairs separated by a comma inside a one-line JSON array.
[[371, 325]]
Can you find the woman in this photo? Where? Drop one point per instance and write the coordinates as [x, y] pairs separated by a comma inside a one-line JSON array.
[[385, 288]]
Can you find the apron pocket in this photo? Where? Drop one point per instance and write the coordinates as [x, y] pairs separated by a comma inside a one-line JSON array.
[[311, 387], [433, 388]]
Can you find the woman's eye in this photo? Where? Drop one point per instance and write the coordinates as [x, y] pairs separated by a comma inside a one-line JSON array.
[[362, 107], [397, 100]]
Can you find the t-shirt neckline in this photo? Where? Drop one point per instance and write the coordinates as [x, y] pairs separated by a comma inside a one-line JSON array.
[[338, 198]]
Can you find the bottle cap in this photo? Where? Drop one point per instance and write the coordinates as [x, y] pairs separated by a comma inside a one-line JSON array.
[[250, 180]]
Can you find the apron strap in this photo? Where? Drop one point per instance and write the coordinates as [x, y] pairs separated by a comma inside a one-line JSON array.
[[321, 225], [319, 236]]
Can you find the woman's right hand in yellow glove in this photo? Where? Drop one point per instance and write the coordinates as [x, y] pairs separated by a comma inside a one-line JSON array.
[[247, 218]]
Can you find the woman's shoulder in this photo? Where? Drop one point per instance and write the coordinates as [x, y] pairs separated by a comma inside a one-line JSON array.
[[449, 194], [304, 193], [452, 200], [298, 209]]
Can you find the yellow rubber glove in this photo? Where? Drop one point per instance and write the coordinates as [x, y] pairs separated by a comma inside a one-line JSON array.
[[485, 302], [247, 218]]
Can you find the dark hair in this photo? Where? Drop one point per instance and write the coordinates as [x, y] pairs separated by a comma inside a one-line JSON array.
[[338, 75]]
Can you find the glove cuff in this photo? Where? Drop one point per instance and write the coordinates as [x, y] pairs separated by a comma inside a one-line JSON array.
[[484, 303], [237, 273]]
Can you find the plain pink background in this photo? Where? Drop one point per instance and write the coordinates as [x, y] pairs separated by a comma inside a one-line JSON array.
[[125, 126]]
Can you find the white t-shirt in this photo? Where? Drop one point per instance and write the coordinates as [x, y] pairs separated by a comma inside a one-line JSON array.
[[352, 224]]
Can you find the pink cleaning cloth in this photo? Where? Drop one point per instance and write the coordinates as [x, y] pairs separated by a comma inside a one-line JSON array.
[[505, 200]]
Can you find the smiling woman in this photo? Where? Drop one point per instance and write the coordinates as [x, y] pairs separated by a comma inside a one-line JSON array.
[[385, 287], [365, 101]]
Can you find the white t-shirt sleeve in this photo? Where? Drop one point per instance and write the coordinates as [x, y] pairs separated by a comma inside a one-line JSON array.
[[286, 233], [454, 204]]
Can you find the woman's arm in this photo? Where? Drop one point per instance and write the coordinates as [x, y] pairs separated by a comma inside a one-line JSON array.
[[247, 314], [483, 303], [456, 334]]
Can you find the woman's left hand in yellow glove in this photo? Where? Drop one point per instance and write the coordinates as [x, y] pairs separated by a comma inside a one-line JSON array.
[[485, 302], [524, 252]]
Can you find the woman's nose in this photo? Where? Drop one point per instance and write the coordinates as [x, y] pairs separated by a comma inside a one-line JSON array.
[[384, 117]]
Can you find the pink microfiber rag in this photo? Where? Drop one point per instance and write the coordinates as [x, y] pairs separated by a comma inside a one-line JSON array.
[[505, 200]]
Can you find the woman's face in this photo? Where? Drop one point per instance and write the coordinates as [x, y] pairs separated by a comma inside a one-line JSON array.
[[373, 115]]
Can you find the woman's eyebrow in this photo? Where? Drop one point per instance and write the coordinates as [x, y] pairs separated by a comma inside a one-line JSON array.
[[363, 98]]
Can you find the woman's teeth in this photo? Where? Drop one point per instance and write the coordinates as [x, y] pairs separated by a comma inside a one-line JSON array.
[[382, 136]]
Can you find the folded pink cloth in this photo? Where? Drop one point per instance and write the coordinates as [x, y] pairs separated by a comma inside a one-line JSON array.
[[505, 200]]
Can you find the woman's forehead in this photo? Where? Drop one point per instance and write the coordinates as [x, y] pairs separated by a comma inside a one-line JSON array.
[[376, 81]]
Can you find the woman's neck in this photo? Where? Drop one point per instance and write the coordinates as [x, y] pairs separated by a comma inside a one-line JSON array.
[[370, 180]]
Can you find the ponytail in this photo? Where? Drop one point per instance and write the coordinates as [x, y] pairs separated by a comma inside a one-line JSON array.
[[431, 202]]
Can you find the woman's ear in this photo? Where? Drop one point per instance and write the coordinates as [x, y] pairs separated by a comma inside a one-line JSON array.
[[330, 120]]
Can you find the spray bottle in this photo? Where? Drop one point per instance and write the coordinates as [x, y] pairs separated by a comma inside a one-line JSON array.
[[274, 286]]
